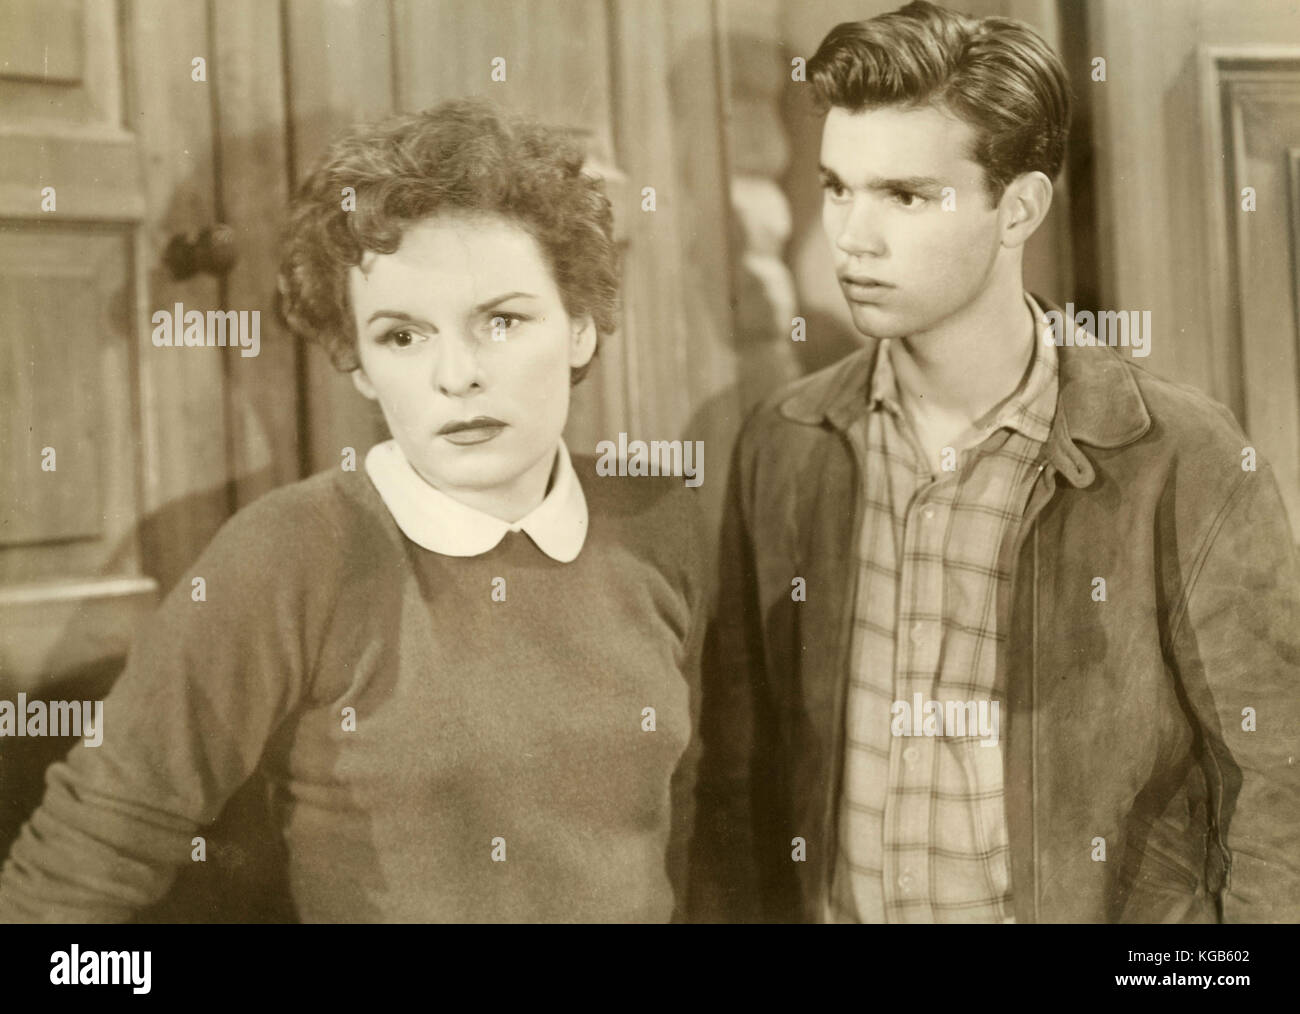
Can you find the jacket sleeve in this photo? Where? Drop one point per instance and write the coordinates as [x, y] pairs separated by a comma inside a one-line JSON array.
[[693, 579], [205, 686], [725, 881], [1236, 648]]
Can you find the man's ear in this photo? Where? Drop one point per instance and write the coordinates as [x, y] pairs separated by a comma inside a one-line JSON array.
[[1024, 206], [582, 341], [362, 383]]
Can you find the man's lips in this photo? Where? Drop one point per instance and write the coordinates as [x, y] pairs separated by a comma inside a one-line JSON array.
[[863, 287]]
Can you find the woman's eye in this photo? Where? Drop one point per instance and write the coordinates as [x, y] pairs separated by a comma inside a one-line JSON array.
[[501, 324], [402, 338]]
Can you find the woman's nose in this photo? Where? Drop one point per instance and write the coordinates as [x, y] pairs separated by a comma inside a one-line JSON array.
[[457, 372]]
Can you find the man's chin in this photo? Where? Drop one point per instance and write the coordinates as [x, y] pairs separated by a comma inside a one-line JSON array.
[[874, 321]]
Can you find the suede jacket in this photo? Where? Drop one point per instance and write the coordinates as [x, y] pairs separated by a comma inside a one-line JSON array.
[[1149, 739]]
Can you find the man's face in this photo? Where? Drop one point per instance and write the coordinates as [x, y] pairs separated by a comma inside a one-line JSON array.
[[465, 343], [905, 264]]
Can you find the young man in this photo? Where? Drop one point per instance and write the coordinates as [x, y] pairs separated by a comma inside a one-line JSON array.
[[1005, 631]]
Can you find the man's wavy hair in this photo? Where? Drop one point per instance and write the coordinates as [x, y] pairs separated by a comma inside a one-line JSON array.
[[995, 74], [459, 157]]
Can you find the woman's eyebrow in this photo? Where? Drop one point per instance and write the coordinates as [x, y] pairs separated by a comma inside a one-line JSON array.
[[392, 314], [486, 304], [489, 303]]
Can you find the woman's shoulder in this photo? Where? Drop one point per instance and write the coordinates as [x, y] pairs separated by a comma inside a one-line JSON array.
[[303, 521]]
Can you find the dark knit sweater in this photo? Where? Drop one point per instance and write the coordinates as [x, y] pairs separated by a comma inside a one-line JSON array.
[[475, 720]]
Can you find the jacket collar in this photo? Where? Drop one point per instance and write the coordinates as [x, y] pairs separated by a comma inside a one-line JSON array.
[[1098, 401]]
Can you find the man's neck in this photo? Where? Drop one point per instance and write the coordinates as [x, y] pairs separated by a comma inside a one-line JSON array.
[[970, 364]]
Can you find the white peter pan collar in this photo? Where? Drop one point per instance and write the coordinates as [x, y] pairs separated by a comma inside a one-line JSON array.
[[432, 519]]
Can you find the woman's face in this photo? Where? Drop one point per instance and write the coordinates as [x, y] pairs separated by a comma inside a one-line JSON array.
[[465, 343]]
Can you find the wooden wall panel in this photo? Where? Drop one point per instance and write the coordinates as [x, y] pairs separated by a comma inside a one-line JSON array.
[[556, 58], [183, 421], [72, 208], [1254, 113], [1164, 222], [680, 365], [253, 197], [61, 64], [65, 388], [338, 57]]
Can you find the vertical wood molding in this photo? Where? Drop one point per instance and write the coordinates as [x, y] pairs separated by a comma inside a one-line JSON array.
[[1250, 108], [668, 134], [254, 195], [183, 420], [339, 66], [1230, 388]]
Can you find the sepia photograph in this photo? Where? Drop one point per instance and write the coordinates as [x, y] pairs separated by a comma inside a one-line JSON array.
[[714, 462]]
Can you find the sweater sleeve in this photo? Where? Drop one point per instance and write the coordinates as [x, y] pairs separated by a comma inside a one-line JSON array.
[[205, 686]]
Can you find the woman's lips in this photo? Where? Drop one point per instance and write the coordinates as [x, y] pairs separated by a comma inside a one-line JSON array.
[[472, 431]]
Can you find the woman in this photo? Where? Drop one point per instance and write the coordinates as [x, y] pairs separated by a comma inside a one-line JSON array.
[[463, 668]]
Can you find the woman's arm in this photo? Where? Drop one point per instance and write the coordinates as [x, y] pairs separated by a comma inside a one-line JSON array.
[[203, 690]]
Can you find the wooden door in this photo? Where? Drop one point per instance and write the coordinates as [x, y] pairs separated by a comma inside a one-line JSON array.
[[82, 448], [120, 458]]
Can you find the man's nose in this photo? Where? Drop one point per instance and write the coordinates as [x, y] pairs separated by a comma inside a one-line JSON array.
[[859, 233], [457, 372]]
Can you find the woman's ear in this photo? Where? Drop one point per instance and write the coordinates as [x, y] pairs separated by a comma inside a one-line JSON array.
[[582, 345], [362, 383]]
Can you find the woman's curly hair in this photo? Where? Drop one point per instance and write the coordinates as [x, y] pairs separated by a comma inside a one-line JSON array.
[[462, 156]]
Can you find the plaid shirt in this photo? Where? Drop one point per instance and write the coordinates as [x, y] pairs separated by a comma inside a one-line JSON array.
[[922, 828]]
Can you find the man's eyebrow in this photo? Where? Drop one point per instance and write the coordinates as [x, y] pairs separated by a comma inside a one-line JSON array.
[[905, 183], [887, 183]]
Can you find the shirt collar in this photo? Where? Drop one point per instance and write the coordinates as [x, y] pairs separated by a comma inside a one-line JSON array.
[[435, 521], [1098, 403], [1029, 412]]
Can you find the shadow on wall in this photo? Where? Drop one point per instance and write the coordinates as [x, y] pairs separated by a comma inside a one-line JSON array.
[[244, 877], [774, 134]]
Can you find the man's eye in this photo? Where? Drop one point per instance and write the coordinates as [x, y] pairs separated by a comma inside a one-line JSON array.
[[834, 188], [908, 199]]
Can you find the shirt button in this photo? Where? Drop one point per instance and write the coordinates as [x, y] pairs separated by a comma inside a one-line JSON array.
[[905, 881], [928, 514], [918, 632], [911, 754]]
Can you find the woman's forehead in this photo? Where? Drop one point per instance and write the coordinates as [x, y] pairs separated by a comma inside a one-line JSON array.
[[456, 256]]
